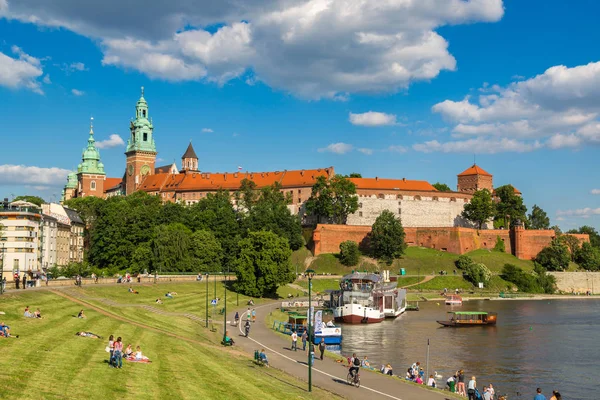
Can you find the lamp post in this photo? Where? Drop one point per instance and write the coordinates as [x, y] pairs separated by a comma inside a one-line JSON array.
[[207, 299], [225, 309], [2, 271], [310, 273]]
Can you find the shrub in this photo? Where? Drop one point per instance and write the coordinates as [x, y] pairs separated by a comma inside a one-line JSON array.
[[499, 246], [463, 262], [537, 282], [555, 257], [349, 254], [476, 273]]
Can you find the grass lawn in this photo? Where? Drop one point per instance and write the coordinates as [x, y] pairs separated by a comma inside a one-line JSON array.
[[330, 264], [495, 260], [408, 280], [48, 361]]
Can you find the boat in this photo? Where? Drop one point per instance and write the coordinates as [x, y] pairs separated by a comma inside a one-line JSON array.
[[367, 298], [453, 300], [470, 318], [298, 322]]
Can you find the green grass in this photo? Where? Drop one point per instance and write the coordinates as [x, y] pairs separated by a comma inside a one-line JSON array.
[[495, 260], [48, 361], [286, 290], [447, 281], [298, 258], [330, 264], [408, 280], [320, 285]]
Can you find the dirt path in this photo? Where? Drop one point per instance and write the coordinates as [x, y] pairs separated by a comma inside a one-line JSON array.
[[427, 279]]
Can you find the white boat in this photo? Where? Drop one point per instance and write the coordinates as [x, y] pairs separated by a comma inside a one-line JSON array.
[[453, 300], [366, 298]]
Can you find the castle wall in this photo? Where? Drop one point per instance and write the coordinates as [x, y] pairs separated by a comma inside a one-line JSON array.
[[578, 282]]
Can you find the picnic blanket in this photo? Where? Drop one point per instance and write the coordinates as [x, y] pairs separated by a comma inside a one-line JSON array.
[[133, 359]]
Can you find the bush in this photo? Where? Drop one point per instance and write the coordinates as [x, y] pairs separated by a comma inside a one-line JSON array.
[[463, 262], [537, 282], [349, 254], [499, 246], [476, 273], [588, 257], [555, 257]]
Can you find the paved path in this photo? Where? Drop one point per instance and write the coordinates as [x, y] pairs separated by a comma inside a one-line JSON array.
[[326, 374]]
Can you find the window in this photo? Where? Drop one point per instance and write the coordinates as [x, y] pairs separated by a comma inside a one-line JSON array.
[[417, 197], [144, 113], [360, 213], [93, 185], [399, 197], [381, 196], [145, 137], [435, 198], [452, 199], [359, 205], [399, 211]]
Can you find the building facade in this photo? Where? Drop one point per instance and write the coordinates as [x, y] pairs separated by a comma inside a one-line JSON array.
[[48, 239], [20, 238]]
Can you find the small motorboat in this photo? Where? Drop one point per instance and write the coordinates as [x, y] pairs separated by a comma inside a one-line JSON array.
[[453, 300], [470, 318]]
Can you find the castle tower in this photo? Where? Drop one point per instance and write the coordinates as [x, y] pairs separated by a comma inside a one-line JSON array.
[[70, 189], [141, 150], [473, 179], [189, 159], [90, 172]]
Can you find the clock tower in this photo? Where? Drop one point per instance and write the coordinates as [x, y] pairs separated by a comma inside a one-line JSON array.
[[141, 150]]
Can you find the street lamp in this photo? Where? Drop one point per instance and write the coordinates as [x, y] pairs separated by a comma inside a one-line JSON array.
[[225, 309], [310, 273], [2, 270], [207, 299]]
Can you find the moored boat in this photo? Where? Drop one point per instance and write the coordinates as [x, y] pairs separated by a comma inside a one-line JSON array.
[[454, 300], [470, 318]]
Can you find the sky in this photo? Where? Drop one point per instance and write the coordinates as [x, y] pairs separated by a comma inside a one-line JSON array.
[[415, 89]]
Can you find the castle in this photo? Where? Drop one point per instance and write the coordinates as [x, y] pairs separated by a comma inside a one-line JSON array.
[[416, 203]]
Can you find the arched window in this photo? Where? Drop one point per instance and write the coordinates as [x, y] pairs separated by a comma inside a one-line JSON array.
[[399, 197], [381, 196], [93, 185], [452, 199], [435, 198], [417, 197]]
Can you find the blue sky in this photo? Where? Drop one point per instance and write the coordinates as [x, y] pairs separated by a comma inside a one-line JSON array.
[[409, 89]]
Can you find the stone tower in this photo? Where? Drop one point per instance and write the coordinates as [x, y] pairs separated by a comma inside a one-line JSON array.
[[141, 150], [70, 189], [473, 179], [189, 160], [90, 173]]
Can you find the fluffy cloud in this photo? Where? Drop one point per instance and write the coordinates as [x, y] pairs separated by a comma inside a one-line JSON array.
[[479, 145], [77, 92], [372, 118], [20, 72], [595, 191], [207, 130], [113, 140], [581, 212], [556, 109], [33, 176], [366, 151], [312, 48], [397, 149], [337, 148]]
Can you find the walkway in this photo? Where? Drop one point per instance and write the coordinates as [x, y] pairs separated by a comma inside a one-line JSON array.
[[427, 279], [326, 374]]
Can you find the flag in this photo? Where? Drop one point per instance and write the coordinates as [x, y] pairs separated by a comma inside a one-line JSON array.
[[239, 168]]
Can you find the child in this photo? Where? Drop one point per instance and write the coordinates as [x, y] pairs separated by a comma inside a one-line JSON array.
[[431, 381]]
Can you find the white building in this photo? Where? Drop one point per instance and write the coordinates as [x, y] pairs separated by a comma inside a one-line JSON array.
[[20, 242], [48, 240]]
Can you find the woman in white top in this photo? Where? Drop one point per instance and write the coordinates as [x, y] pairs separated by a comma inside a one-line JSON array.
[[431, 381], [471, 388]]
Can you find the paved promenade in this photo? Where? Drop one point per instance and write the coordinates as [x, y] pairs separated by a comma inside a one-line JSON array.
[[326, 374]]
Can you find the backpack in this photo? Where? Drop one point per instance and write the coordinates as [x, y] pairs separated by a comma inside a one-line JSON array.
[[356, 362]]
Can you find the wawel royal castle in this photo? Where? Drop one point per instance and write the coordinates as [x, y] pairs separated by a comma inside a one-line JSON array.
[[417, 203]]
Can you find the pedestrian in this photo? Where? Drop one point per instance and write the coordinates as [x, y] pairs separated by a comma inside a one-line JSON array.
[[322, 348], [539, 395], [118, 354], [294, 341], [451, 382], [253, 315], [17, 280], [471, 388], [491, 390], [24, 280], [486, 393], [237, 318], [111, 350], [4, 284], [556, 395], [304, 337], [248, 314], [460, 388]]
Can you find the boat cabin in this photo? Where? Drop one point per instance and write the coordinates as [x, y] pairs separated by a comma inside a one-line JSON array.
[[473, 317]]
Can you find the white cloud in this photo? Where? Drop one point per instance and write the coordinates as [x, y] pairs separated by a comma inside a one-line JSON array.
[[556, 109], [207, 130], [365, 151], [581, 212], [337, 148], [595, 191], [77, 66], [113, 140], [46, 79], [397, 149], [77, 92], [479, 145], [372, 118], [30, 175], [311, 48], [22, 72]]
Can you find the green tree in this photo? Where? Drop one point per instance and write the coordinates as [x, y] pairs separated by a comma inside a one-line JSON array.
[[172, 213], [556, 230], [555, 257], [332, 199], [464, 262], [591, 231], [88, 208], [510, 205], [171, 247], [263, 264], [355, 175], [538, 219], [572, 244], [442, 187], [477, 272], [247, 195], [588, 257], [206, 251], [31, 199], [349, 254], [499, 246], [480, 209], [387, 238], [537, 282], [545, 281], [142, 258]]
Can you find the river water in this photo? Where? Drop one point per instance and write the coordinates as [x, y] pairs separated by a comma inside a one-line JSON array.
[[552, 344]]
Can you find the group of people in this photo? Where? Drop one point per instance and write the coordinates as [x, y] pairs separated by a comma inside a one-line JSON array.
[[29, 276], [29, 314], [117, 352], [539, 396]]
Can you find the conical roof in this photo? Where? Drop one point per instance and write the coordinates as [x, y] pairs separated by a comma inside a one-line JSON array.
[[190, 153], [474, 170]]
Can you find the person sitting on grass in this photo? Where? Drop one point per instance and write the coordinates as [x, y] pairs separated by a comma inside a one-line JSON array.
[[88, 334], [37, 314], [263, 357], [366, 363], [5, 331], [27, 313], [139, 356], [133, 291], [228, 341], [81, 314], [159, 301], [128, 351], [169, 295]]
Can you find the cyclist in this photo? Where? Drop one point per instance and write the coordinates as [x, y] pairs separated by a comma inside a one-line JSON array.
[[354, 365]]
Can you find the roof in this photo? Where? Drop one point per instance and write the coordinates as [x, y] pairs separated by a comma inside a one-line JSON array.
[[362, 276], [190, 153], [207, 181], [73, 216], [468, 312], [49, 217], [474, 170], [392, 184], [110, 183], [163, 169]]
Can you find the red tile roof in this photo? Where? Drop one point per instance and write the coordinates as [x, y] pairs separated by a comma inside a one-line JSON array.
[[392, 184], [154, 183], [474, 170], [111, 183]]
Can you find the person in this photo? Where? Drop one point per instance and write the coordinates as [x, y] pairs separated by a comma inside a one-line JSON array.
[[431, 381], [199, 277], [159, 301], [139, 356], [486, 393], [24, 280], [88, 334], [419, 380], [461, 383], [169, 295], [250, 303], [236, 318], [128, 351], [27, 313], [17, 281], [354, 365], [471, 388], [5, 331], [37, 314], [409, 375], [228, 340], [491, 390], [247, 328], [81, 314], [111, 350], [539, 395], [263, 357], [365, 362], [556, 395], [253, 315], [118, 353], [304, 338], [388, 370], [133, 291], [294, 341], [322, 348], [451, 383], [248, 314]]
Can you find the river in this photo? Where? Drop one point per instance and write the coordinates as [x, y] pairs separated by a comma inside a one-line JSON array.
[[552, 344]]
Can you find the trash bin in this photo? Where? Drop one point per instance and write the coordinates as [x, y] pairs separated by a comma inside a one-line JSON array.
[[402, 271]]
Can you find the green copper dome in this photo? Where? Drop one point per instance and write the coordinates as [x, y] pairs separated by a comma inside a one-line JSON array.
[[72, 180], [141, 127], [90, 159]]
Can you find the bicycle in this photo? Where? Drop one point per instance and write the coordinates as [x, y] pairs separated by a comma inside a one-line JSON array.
[[353, 379]]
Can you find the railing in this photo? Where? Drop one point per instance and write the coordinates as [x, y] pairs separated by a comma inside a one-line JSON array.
[[286, 327]]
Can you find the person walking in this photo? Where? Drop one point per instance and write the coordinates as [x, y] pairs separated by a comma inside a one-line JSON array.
[[304, 337], [294, 341], [322, 348], [471, 388], [460, 387], [17, 280], [24, 280], [118, 354], [248, 314], [253, 315], [237, 318], [539, 395]]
